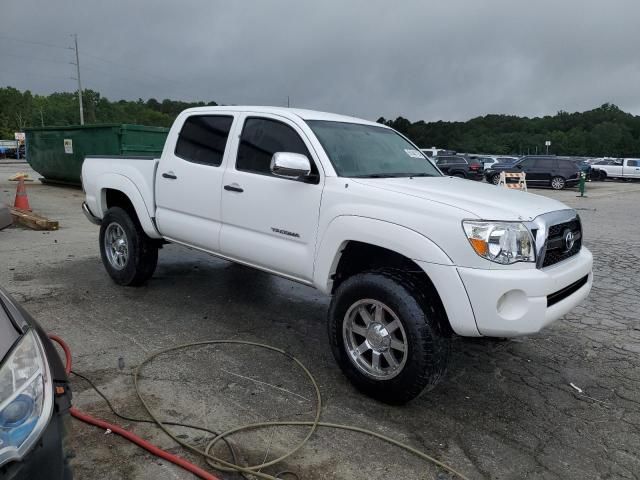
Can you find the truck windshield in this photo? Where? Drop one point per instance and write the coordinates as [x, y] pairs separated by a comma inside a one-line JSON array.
[[357, 150]]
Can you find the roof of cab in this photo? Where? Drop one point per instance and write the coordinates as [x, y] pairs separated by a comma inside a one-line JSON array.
[[285, 112]]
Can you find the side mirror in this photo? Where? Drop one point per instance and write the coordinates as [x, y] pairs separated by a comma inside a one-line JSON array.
[[290, 165]]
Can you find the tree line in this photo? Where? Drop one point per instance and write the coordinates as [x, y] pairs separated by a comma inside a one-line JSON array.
[[603, 131], [19, 110]]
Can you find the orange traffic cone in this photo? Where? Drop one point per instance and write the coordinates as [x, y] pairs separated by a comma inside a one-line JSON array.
[[22, 200]]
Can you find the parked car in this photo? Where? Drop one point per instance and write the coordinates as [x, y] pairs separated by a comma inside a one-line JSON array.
[[34, 400], [434, 152], [458, 166], [508, 159], [489, 160], [556, 172], [352, 208], [626, 168]]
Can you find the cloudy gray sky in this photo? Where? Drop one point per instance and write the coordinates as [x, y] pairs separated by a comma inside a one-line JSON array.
[[430, 60]]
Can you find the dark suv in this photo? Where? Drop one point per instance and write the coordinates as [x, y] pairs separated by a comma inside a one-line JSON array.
[[554, 172], [458, 166]]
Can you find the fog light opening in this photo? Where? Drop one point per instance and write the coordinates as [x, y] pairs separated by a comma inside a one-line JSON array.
[[512, 305]]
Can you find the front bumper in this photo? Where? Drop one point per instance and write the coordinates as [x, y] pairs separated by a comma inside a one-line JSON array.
[[508, 303]]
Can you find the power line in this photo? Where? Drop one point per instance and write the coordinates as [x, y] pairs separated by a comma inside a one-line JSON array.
[[21, 74], [144, 82], [148, 80], [33, 42], [128, 67], [41, 59]]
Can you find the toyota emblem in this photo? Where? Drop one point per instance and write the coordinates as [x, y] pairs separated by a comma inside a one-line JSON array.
[[569, 240]]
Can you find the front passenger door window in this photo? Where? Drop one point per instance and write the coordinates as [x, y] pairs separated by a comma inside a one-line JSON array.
[[261, 138]]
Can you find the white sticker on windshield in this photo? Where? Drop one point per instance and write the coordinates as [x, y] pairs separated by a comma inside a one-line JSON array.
[[413, 153]]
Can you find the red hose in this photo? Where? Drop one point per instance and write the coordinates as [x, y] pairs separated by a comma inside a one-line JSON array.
[[181, 462], [67, 352]]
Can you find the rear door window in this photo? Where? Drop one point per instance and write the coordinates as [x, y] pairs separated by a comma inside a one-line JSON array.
[[203, 139], [633, 163]]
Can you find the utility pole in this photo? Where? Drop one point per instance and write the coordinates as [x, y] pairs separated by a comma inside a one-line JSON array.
[[41, 117], [77, 64]]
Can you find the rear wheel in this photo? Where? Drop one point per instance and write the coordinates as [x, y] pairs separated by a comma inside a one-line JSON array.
[[387, 336], [495, 179], [557, 183], [128, 254]]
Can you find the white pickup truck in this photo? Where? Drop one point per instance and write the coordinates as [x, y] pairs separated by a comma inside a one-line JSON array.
[[616, 168], [354, 209]]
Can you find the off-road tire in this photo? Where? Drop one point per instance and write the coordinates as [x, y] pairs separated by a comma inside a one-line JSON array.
[[423, 320], [142, 251]]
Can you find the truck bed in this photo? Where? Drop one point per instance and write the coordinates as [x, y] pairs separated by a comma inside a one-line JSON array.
[[133, 173]]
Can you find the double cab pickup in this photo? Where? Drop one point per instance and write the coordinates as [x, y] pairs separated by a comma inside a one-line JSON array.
[[409, 256]]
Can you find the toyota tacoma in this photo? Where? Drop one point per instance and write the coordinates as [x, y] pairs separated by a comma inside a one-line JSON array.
[[408, 255]]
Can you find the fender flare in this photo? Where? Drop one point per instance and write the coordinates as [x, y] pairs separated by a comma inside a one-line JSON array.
[[114, 181], [391, 236]]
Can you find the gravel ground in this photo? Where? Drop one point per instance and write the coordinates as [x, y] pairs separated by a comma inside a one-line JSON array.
[[506, 410]]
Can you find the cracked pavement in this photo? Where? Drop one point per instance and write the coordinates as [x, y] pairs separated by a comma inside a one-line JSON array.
[[506, 410]]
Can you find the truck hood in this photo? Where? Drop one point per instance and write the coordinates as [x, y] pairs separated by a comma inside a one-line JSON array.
[[482, 200]]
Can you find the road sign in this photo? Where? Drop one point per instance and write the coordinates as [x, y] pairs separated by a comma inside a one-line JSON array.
[[548, 143]]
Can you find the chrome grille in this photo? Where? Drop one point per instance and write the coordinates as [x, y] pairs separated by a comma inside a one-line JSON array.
[[555, 247], [549, 230]]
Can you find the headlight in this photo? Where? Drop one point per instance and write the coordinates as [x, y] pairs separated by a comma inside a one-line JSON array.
[[500, 242], [26, 398]]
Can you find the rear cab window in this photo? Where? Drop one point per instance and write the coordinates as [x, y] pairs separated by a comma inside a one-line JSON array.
[[203, 139]]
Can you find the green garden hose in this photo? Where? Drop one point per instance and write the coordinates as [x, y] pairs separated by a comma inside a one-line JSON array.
[[255, 470]]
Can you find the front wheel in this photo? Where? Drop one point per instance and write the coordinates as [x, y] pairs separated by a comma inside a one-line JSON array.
[[128, 255], [557, 183], [459, 175], [387, 336], [495, 179]]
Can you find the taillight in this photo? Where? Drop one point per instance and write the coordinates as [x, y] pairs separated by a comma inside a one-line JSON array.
[[474, 166]]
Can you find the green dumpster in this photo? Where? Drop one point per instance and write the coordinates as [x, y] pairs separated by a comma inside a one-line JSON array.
[[57, 153]]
